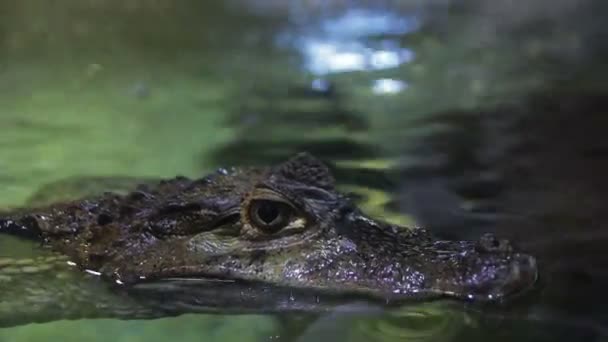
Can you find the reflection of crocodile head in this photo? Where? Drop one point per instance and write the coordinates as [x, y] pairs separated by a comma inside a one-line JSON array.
[[266, 239]]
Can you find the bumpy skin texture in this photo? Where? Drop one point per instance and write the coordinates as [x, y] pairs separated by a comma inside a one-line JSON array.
[[268, 239]]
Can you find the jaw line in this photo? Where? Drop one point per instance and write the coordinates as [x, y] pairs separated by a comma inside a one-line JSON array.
[[186, 282]]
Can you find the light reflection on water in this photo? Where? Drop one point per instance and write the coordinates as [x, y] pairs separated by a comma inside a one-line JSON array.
[[343, 43], [357, 41]]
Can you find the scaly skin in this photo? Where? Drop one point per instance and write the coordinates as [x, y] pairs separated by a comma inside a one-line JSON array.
[[270, 239]]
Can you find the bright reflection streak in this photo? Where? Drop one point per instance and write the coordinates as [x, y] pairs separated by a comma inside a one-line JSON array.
[[340, 45], [384, 59], [388, 86], [325, 57], [359, 23]]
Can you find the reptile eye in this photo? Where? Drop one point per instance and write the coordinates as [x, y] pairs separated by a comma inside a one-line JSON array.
[[270, 216]]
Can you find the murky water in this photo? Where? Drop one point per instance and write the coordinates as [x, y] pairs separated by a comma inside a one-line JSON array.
[[462, 116]]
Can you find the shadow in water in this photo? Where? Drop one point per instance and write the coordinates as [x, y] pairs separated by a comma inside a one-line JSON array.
[[273, 124], [535, 173]]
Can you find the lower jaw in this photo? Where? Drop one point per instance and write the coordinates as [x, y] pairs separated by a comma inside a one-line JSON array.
[[217, 295], [212, 295]]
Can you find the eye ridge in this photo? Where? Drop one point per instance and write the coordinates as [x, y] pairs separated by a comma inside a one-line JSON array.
[[270, 216]]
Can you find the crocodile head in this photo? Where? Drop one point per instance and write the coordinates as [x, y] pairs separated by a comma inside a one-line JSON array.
[[276, 238]]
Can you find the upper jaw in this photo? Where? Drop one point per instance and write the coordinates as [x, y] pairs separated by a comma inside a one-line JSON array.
[[209, 291]]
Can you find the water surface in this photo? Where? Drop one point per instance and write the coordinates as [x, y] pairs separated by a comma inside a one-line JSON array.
[[408, 100]]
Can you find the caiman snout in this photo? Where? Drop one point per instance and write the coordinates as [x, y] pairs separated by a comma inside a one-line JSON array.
[[519, 273], [522, 273], [490, 271], [487, 269]]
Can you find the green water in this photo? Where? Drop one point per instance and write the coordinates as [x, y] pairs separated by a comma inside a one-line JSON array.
[[147, 89], [61, 122], [83, 119]]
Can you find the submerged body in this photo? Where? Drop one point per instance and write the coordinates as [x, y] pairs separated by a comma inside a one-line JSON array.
[[259, 239]]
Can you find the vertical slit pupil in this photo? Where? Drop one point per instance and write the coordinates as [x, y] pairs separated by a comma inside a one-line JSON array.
[[268, 212]]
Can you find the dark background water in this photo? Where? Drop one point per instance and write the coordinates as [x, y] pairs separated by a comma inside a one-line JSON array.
[[472, 116]]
